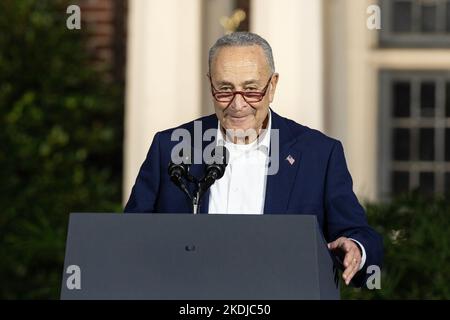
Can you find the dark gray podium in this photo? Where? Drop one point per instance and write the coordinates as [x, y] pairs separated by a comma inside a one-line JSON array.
[[197, 257]]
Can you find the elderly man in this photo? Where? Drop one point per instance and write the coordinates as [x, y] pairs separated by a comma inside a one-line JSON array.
[[310, 176]]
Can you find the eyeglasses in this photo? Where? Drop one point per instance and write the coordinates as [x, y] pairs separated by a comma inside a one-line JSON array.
[[249, 96]]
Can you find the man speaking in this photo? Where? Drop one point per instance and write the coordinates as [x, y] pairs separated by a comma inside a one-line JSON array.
[[275, 165]]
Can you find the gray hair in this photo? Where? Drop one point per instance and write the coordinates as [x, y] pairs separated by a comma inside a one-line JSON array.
[[242, 39]]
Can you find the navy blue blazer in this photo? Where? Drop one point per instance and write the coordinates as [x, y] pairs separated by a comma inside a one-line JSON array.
[[318, 183]]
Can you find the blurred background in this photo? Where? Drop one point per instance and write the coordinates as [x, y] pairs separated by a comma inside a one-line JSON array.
[[79, 108]]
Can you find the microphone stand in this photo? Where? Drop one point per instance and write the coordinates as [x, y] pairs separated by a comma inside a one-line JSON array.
[[213, 172], [202, 186], [195, 203], [195, 199]]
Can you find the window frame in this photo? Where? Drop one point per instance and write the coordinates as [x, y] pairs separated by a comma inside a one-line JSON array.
[[390, 39], [387, 122]]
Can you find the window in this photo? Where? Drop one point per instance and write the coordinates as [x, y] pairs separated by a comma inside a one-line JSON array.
[[414, 127], [415, 23]]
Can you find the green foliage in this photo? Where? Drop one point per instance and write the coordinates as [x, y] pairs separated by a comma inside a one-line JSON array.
[[416, 239], [61, 143]]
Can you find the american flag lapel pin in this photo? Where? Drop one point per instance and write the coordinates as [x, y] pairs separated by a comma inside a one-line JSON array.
[[290, 159]]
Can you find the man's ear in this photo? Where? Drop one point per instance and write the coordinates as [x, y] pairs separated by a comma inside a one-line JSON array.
[[273, 86]]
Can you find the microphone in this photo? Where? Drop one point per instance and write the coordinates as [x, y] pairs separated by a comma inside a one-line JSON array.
[[176, 173], [215, 170], [179, 171]]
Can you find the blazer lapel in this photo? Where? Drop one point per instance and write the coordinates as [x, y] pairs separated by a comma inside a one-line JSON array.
[[279, 185]]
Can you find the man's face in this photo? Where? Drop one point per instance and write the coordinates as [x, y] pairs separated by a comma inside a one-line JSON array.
[[242, 69]]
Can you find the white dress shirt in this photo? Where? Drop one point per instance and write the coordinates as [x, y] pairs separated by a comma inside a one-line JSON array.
[[242, 188]]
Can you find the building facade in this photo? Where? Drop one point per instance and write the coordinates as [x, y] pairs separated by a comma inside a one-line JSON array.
[[385, 93]]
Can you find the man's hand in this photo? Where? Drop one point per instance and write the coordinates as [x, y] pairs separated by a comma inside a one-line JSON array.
[[352, 258]]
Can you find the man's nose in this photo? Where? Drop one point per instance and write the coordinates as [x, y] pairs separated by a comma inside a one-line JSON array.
[[238, 102]]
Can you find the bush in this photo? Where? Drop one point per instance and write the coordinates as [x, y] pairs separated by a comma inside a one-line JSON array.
[[61, 141], [416, 249]]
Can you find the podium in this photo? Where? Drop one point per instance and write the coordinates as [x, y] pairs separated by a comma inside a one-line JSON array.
[[197, 257]]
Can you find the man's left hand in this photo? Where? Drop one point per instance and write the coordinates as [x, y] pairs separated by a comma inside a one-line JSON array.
[[352, 258]]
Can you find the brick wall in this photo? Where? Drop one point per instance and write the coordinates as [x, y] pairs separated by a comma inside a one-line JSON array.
[[105, 22]]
